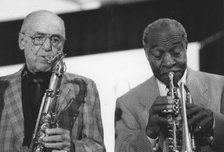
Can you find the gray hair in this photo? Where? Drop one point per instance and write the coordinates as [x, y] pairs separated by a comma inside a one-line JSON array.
[[161, 23]]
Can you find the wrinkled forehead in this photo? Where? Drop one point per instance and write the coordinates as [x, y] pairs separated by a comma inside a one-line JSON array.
[[165, 38], [44, 22]]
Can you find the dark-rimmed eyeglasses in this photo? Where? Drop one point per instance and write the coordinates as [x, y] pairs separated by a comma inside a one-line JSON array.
[[39, 39]]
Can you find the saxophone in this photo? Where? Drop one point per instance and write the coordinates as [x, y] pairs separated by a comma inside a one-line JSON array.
[[180, 138], [48, 109]]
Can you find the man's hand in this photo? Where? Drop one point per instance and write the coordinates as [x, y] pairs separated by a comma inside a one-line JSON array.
[[201, 120], [58, 139], [157, 119]]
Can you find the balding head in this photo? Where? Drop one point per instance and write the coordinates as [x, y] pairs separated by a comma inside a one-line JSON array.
[[162, 30], [165, 44], [41, 37], [43, 20]]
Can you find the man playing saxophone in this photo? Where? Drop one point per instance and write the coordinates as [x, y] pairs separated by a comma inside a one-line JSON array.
[[142, 117], [78, 127]]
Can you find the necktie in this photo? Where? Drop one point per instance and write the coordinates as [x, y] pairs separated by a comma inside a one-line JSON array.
[[38, 93], [31, 106]]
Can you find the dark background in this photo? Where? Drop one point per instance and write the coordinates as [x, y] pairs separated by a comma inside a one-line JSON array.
[[119, 27]]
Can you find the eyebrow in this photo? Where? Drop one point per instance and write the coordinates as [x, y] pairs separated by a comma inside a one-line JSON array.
[[41, 33], [178, 43], [152, 46]]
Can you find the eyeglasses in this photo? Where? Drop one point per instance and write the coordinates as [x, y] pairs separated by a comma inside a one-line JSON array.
[[39, 39]]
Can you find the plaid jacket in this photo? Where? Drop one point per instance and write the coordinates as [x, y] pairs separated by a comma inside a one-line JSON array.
[[87, 130]]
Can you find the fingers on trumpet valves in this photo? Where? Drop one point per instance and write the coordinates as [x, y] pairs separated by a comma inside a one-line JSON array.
[[168, 110], [172, 106]]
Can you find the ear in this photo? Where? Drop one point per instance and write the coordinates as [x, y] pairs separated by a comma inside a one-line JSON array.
[[146, 53], [186, 44], [21, 41]]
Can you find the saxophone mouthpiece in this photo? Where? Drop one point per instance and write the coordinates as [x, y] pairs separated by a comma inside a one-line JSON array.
[[171, 75], [57, 57]]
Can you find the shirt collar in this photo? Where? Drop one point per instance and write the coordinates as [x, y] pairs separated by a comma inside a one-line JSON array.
[[42, 76], [162, 87]]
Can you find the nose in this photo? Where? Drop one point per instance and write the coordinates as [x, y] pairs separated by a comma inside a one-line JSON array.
[[168, 60], [47, 44]]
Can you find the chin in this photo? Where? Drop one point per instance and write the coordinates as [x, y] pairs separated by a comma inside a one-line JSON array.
[[44, 68], [178, 76], [165, 80]]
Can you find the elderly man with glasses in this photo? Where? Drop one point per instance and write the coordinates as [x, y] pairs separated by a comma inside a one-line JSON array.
[[75, 123]]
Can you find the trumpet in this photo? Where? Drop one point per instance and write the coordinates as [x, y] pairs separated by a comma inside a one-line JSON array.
[[180, 138]]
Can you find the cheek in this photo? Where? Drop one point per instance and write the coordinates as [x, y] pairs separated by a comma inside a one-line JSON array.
[[60, 48], [30, 56], [182, 60], [155, 65]]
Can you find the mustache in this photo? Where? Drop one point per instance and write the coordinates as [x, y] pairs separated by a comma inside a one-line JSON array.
[[163, 71], [50, 57]]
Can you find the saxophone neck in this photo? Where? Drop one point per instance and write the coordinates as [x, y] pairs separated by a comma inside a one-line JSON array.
[[58, 65], [59, 56]]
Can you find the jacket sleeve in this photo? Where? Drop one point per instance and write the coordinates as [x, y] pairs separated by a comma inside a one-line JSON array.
[[129, 135], [218, 142], [91, 137]]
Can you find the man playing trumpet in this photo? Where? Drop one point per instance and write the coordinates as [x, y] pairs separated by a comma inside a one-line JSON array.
[[141, 123]]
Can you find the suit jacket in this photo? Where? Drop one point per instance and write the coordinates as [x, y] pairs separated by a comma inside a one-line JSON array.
[[131, 115], [86, 131]]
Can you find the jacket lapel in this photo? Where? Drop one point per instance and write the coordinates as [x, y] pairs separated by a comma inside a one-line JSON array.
[[13, 105], [198, 89], [66, 95], [150, 93]]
